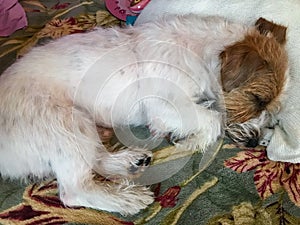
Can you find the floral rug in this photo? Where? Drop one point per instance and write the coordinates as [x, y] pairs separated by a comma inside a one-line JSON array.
[[239, 186]]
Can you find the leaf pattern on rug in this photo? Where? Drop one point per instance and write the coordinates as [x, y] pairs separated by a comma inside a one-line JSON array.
[[174, 216], [269, 177], [56, 24], [33, 6], [169, 200], [41, 205], [247, 214]]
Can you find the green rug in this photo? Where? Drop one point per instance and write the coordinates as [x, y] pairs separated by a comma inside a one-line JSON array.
[[239, 186]]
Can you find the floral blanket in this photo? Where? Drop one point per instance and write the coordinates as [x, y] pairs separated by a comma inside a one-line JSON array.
[[236, 186]]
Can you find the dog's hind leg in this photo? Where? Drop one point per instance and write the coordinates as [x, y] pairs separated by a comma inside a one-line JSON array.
[[76, 166], [124, 198], [78, 187]]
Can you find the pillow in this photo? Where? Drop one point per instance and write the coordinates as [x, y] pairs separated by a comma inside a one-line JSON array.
[[285, 141]]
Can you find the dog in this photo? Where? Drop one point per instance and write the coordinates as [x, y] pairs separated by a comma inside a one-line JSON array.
[[190, 77]]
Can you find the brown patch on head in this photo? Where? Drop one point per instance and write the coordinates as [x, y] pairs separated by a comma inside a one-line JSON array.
[[239, 62], [253, 74]]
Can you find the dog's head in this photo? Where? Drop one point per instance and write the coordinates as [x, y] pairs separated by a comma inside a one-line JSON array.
[[253, 76]]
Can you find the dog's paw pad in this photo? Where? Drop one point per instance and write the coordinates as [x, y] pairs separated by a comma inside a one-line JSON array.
[[140, 164], [145, 161], [148, 161]]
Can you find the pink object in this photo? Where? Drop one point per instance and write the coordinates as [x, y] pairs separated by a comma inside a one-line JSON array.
[[12, 17], [137, 8], [119, 8]]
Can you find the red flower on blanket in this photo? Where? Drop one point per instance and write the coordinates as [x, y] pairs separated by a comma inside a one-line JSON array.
[[269, 176], [169, 198]]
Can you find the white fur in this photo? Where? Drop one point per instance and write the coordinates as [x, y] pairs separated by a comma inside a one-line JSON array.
[[164, 74]]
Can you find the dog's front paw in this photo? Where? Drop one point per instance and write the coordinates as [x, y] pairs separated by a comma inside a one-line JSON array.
[[208, 133]]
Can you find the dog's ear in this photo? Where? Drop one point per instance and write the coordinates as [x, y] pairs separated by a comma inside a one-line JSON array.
[[279, 32]]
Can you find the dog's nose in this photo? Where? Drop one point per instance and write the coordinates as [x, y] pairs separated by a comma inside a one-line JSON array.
[[253, 142]]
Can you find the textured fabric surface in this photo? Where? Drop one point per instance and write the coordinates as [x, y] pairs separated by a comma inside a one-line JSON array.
[[285, 143], [12, 17], [239, 187]]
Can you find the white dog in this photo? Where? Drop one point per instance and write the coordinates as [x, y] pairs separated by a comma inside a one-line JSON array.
[[166, 75]]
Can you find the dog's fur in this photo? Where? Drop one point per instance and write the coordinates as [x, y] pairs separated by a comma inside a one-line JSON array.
[[254, 75], [51, 99]]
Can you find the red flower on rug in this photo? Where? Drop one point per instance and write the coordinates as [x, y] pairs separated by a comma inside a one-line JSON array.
[[61, 5], [60, 27], [169, 198], [269, 176]]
